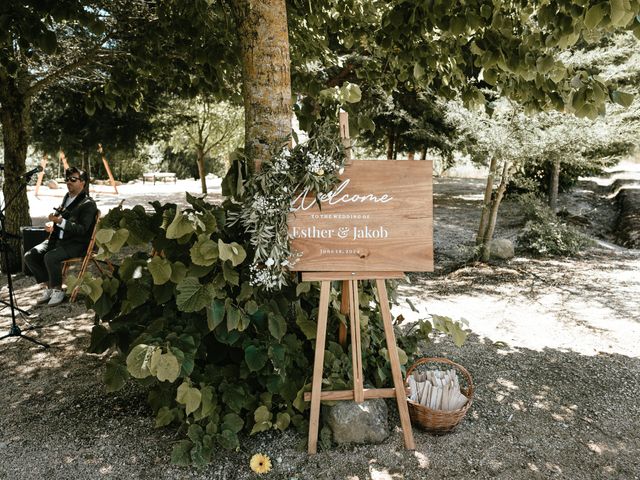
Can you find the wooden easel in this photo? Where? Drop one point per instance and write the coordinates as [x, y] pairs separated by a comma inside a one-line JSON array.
[[359, 394]]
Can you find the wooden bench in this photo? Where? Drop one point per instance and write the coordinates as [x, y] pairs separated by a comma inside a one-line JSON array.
[[157, 176]]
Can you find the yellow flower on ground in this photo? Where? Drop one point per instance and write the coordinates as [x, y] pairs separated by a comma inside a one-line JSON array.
[[260, 463]]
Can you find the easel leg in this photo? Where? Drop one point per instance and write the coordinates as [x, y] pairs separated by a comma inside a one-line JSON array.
[[344, 309], [398, 383], [316, 385], [356, 349]]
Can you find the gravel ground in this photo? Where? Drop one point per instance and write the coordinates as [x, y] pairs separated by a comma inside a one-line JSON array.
[[554, 356]]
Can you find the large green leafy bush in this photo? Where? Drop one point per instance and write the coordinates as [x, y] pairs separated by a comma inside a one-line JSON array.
[[219, 356]]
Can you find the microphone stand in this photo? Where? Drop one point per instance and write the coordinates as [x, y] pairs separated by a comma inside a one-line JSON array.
[[15, 330]]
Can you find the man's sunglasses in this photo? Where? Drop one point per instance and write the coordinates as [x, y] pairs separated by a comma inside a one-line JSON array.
[[72, 179]]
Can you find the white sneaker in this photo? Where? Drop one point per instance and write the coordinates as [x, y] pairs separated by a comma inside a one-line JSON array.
[[57, 297], [44, 298]]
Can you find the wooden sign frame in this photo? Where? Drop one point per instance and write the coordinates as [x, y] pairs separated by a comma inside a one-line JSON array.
[[379, 218]]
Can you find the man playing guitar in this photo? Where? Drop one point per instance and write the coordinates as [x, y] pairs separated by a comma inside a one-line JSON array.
[[70, 229]]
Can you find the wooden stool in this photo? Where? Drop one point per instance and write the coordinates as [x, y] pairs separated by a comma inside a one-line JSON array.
[[359, 394]]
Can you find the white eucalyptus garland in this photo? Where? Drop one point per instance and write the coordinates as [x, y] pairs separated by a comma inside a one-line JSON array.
[[267, 198]]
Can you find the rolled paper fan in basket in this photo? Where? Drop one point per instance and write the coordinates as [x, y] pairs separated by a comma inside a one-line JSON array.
[[437, 402]]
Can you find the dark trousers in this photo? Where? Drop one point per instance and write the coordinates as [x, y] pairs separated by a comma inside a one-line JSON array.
[[45, 261]]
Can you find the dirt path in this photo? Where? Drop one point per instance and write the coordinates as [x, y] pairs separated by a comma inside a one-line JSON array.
[[555, 357]]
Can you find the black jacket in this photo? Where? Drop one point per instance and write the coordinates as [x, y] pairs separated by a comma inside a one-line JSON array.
[[80, 218]]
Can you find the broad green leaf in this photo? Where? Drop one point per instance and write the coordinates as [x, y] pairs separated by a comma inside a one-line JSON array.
[[251, 307], [277, 326], [104, 235], [233, 317], [229, 440], [262, 414], [307, 326], [458, 25], [138, 360], [160, 269], [180, 226], [255, 357], [448, 326], [303, 287], [204, 252], [195, 433], [208, 404], [178, 272], [618, 12], [260, 427], [594, 15], [246, 290], [232, 422], [402, 356], [100, 339], [155, 359], [164, 417], [232, 251], [193, 296], [418, 71], [545, 64], [215, 314], [168, 368], [622, 98], [115, 375], [180, 455], [117, 240], [188, 396], [282, 421], [350, 92], [230, 275]]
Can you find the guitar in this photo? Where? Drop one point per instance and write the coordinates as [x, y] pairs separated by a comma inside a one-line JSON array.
[[58, 211]]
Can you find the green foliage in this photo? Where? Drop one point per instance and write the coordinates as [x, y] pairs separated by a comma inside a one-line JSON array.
[[219, 355], [265, 200], [544, 234]]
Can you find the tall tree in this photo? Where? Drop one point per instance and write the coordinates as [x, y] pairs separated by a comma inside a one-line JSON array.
[[266, 88], [207, 127]]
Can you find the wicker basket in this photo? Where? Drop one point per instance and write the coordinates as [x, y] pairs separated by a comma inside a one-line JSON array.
[[439, 421]]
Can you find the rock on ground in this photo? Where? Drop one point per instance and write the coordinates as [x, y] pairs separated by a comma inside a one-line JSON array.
[[352, 422]]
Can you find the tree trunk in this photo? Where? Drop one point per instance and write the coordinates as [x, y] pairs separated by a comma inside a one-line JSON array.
[[423, 154], [264, 42], [554, 184], [14, 115], [486, 203], [493, 217], [391, 142], [411, 155], [201, 171]]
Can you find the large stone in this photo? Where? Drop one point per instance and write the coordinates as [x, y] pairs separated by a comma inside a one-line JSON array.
[[353, 422], [53, 185], [502, 249]]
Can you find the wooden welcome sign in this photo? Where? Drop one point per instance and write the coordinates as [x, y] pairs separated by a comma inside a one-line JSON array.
[[378, 219]]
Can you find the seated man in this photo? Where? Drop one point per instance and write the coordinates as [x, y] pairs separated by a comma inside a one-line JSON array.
[[70, 230]]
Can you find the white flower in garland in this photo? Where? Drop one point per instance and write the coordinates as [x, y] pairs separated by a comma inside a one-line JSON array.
[[266, 203]]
